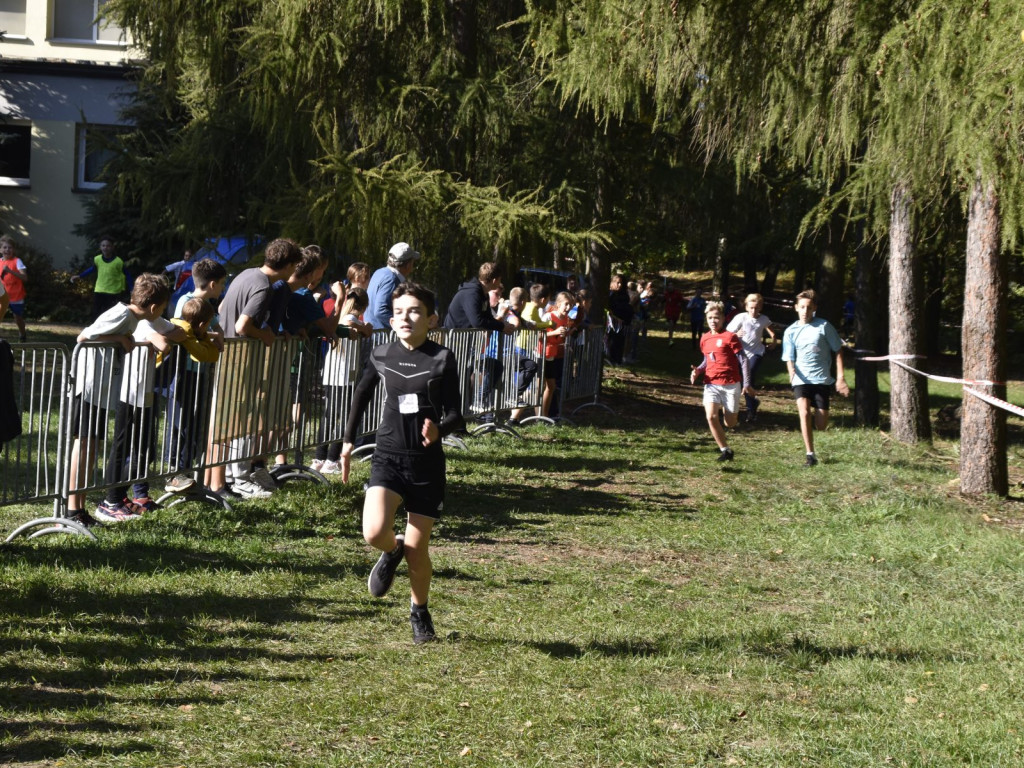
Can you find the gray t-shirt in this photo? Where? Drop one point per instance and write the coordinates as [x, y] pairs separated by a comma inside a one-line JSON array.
[[248, 294]]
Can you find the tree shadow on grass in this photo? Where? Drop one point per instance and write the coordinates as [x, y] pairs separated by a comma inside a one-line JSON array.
[[138, 557], [477, 511], [34, 750]]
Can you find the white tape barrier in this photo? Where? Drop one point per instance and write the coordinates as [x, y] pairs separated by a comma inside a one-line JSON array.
[[967, 383]]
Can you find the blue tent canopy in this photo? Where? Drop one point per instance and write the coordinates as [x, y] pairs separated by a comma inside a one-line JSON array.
[[235, 251]]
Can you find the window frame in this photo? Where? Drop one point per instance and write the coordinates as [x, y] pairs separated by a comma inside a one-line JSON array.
[[19, 182], [81, 184], [94, 28]]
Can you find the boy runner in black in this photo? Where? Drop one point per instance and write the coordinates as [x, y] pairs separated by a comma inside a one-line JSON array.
[[422, 404]]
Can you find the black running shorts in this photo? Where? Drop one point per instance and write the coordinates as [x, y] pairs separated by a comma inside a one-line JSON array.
[[419, 480], [818, 394]]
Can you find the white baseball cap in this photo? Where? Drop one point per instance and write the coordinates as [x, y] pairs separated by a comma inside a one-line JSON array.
[[402, 253]]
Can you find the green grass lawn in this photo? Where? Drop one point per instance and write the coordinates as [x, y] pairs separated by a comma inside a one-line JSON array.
[[609, 596]]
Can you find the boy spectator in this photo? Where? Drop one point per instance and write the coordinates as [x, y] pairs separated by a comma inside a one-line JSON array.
[[532, 318], [673, 308], [135, 414], [422, 405], [695, 307], [726, 374], [97, 372], [244, 313], [807, 348], [751, 326], [14, 276], [401, 262], [303, 311], [112, 279]]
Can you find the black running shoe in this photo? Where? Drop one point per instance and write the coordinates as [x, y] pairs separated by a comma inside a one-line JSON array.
[[812, 460], [383, 573], [84, 518], [422, 627], [725, 455]]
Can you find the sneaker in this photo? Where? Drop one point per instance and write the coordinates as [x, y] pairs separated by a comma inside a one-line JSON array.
[[142, 505], [114, 513], [726, 455], [82, 517], [227, 492], [262, 477], [180, 484], [247, 489], [422, 627], [812, 460], [330, 468], [383, 573], [317, 464], [513, 423], [756, 404]]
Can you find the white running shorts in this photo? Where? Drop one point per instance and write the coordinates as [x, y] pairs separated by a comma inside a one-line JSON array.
[[725, 395]]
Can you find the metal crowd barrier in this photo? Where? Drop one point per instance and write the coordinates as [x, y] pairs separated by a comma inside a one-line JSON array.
[[107, 419], [583, 371], [34, 461]]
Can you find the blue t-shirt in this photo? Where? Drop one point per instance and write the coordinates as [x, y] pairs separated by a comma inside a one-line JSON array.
[[302, 311], [809, 346]]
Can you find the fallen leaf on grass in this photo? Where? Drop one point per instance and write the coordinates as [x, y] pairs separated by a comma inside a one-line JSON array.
[[464, 704], [983, 687], [185, 707], [465, 751], [910, 700]]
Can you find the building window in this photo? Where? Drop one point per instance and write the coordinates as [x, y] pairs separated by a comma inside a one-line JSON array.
[[94, 148], [15, 154], [12, 18], [83, 20]]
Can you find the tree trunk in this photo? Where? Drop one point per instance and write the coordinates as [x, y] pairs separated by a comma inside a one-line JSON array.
[[983, 426], [908, 403], [598, 266], [866, 330], [750, 261], [829, 278], [771, 274], [720, 280]]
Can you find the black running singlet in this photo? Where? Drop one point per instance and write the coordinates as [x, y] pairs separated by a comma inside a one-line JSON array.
[[419, 384]]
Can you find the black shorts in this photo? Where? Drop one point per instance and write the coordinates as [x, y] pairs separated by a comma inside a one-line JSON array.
[[418, 479], [87, 419], [818, 394]]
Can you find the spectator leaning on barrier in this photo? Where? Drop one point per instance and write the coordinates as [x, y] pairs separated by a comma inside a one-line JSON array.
[[97, 372], [14, 276], [135, 414], [470, 307], [192, 385], [244, 313], [401, 262], [807, 348], [112, 279]]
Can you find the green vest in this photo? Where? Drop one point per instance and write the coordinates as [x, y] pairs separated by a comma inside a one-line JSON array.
[[109, 275]]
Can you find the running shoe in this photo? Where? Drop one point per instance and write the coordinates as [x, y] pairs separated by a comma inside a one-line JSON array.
[[114, 513], [141, 505], [382, 575], [247, 489], [317, 464], [422, 626], [812, 460], [84, 518], [180, 484], [330, 468], [726, 455], [262, 477]]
